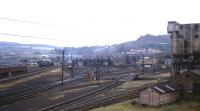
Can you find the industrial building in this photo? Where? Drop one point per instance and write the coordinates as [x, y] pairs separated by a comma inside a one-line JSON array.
[[185, 48]]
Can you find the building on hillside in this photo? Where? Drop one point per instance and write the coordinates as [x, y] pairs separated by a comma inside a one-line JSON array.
[[153, 51], [157, 95], [141, 51]]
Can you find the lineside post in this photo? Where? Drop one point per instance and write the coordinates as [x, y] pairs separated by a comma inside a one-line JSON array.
[[143, 64], [63, 61]]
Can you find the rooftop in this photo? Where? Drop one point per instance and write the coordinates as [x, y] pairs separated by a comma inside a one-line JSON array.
[[165, 88]]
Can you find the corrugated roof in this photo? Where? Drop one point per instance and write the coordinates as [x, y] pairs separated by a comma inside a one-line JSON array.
[[170, 87], [164, 88], [196, 71], [159, 89]]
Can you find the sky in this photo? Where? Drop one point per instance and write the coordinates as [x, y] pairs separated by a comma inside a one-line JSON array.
[[90, 22]]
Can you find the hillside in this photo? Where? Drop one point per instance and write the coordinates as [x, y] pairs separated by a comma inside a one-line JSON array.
[[161, 42], [10, 44]]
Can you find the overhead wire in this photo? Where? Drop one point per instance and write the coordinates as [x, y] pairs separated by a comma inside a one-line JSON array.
[[27, 36], [30, 22]]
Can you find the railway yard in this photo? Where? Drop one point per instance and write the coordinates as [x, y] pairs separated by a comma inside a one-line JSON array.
[[43, 90], [99, 55]]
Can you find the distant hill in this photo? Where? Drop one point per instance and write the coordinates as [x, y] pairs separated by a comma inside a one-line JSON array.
[[19, 44], [9, 44], [18, 47], [161, 42]]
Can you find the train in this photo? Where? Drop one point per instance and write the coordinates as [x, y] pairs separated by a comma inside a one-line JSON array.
[[23, 67], [45, 62], [5, 69]]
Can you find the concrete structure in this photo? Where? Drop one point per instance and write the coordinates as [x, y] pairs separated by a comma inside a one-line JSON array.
[[159, 95], [185, 40]]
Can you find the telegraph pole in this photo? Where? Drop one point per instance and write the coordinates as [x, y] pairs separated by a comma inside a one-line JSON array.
[[143, 64], [108, 63], [73, 64], [63, 61], [97, 69], [154, 65]]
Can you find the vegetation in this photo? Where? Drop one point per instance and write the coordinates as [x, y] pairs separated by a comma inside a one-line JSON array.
[[191, 103], [161, 42]]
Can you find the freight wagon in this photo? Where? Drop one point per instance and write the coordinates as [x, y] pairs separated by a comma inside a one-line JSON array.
[[5, 69]]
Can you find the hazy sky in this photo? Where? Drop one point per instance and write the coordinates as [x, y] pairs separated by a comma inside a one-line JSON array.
[[91, 22]]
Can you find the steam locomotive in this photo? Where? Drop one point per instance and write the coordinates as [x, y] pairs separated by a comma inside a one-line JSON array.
[[45, 62]]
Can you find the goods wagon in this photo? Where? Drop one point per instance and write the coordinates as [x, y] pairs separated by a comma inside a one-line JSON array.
[[5, 69]]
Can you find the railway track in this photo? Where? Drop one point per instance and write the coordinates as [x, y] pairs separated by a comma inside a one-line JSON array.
[[10, 96], [30, 73], [108, 99], [88, 101], [21, 94], [119, 72], [104, 101], [124, 71], [135, 73], [83, 97]]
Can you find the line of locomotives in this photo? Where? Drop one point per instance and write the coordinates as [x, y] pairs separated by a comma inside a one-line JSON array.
[[89, 62], [24, 66]]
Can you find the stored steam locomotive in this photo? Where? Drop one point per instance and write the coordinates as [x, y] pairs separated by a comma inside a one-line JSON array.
[[45, 62]]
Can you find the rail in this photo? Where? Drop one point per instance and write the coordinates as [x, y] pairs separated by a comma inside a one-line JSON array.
[[29, 73], [16, 95]]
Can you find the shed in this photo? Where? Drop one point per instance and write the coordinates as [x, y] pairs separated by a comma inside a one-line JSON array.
[[159, 94]]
